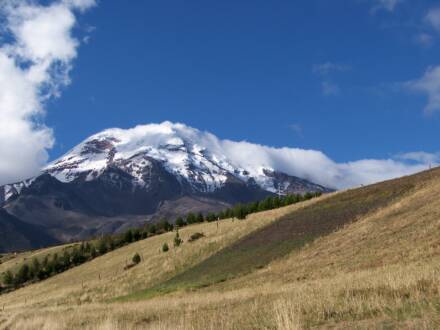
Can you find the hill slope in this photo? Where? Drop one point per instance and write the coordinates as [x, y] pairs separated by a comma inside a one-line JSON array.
[[373, 263]]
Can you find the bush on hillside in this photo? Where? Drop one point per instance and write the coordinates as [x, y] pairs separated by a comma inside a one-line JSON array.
[[177, 240], [195, 237], [136, 259]]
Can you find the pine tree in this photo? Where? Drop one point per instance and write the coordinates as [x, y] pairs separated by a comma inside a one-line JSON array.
[[136, 235], [240, 212], [87, 247], [190, 218], [8, 278], [308, 196], [36, 267], [102, 247], [165, 225], [199, 218], [253, 207], [180, 222], [128, 237], [177, 240], [93, 252], [66, 259], [210, 217], [152, 229], [22, 274], [82, 248], [165, 247], [45, 261]]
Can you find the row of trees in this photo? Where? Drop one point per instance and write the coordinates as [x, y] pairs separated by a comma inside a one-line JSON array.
[[53, 264], [38, 270], [241, 211]]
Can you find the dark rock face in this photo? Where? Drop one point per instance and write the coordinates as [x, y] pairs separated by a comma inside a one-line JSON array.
[[17, 235], [293, 185]]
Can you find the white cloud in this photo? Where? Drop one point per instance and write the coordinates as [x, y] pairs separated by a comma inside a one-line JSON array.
[[329, 67], [420, 157], [330, 88], [389, 5], [325, 70], [82, 5], [297, 128], [309, 164], [433, 18], [316, 166], [34, 65], [428, 84], [424, 39]]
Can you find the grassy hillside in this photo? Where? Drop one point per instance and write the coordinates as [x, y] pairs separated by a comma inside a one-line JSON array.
[[290, 232], [365, 258], [104, 277]]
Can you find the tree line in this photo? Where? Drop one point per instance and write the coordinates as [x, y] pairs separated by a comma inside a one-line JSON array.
[[52, 264], [241, 211]]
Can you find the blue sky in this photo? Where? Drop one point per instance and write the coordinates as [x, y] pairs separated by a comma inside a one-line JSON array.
[[249, 70], [355, 79]]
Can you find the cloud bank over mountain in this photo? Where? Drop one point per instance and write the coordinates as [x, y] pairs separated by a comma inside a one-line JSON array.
[[312, 165]]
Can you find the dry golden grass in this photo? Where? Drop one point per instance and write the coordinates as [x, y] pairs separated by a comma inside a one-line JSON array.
[[104, 277], [386, 296], [381, 272]]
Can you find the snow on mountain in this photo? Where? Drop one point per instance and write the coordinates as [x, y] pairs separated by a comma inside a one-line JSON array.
[[185, 152], [13, 189]]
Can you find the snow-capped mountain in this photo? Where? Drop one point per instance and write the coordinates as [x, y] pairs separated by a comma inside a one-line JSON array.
[[119, 176], [190, 155]]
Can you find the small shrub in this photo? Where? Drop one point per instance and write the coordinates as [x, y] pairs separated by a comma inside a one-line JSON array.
[[195, 237], [165, 247], [136, 258]]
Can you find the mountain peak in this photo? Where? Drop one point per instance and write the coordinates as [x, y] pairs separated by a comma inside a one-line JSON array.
[[197, 158]]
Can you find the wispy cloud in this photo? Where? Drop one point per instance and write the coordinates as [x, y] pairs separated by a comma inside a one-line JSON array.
[[34, 66], [428, 84], [420, 157], [326, 68], [424, 39], [310, 164], [325, 71], [297, 129], [330, 88], [432, 18], [388, 5]]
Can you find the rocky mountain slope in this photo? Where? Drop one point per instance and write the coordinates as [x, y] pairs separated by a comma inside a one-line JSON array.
[[18, 235], [120, 178]]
